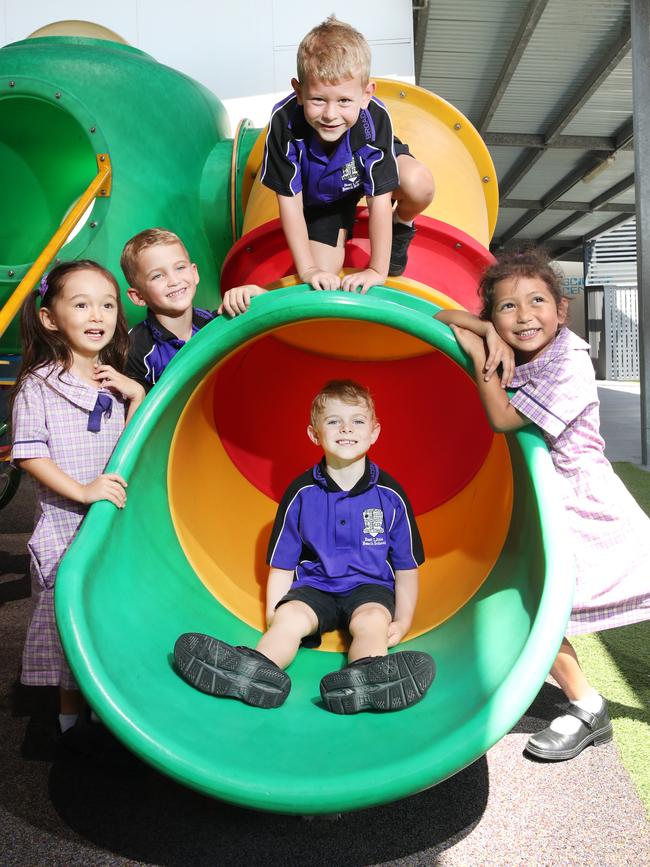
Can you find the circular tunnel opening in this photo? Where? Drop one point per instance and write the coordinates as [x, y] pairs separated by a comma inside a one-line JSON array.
[[46, 162], [244, 431]]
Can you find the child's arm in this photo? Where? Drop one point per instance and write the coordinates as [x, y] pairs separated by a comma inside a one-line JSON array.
[[277, 585], [121, 384], [406, 596], [295, 232], [498, 350], [238, 299], [108, 486], [380, 232], [500, 412]]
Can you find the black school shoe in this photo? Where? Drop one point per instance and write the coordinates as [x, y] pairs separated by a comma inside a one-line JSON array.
[[379, 683], [595, 729], [402, 237], [220, 669]]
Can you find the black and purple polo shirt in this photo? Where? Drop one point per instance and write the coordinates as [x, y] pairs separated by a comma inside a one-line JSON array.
[[152, 346], [337, 540], [364, 161]]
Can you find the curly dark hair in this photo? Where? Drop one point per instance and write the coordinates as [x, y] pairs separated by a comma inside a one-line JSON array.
[[527, 262]]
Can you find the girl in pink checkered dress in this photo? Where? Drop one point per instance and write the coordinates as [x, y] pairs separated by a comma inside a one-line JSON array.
[[70, 406], [523, 327]]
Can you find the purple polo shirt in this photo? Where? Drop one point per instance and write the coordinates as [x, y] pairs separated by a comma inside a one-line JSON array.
[[363, 163], [152, 346], [337, 540]]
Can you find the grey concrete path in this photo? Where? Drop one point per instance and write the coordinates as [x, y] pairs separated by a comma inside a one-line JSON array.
[[620, 420]]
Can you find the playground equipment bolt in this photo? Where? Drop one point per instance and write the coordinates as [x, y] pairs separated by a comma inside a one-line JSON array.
[[486, 179], [458, 126], [12, 84], [458, 245], [102, 158], [10, 273], [93, 225], [402, 95], [93, 129], [249, 249], [57, 95]]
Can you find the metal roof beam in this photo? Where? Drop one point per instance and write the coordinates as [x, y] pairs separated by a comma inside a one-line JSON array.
[[584, 207], [598, 76], [525, 163], [618, 141], [562, 246], [527, 27], [597, 204]]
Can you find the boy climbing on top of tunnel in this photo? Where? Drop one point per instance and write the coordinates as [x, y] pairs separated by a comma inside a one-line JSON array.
[[344, 552], [162, 278], [329, 143]]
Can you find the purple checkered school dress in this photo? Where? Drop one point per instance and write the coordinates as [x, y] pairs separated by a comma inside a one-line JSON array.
[[51, 418], [610, 532]]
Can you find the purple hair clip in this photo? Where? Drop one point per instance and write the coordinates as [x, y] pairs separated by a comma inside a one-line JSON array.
[[43, 287]]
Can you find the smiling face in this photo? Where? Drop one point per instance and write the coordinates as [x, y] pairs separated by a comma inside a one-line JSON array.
[[344, 431], [332, 109], [165, 279], [84, 312], [526, 315]]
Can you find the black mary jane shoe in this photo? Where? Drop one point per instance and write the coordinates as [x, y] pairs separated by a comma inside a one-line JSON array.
[[595, 729]]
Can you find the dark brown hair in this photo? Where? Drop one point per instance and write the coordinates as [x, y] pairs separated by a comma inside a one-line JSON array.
[[41, 346], [527, 262], [347, 391]]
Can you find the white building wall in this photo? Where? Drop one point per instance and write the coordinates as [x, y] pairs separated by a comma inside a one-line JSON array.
[[244, 51]]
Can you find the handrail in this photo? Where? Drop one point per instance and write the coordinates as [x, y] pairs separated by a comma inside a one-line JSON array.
[[99, 186]]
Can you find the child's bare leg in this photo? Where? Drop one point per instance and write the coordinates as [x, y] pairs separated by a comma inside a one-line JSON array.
[[329, 258], [416, 188], [369, 630], [568, 674], [70, 706], [292, 621]]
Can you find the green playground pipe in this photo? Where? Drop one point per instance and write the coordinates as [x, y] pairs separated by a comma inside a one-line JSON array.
[[135, 579], [65, 99]]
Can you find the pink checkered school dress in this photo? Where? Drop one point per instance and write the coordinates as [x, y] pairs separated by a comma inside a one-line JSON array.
[[610, 532], [52, 414]]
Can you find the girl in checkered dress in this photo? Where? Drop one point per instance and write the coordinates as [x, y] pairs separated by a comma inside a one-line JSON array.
[[70, 405], [523, 327]]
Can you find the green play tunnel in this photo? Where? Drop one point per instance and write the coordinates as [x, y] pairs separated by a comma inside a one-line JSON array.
[[187, 554]]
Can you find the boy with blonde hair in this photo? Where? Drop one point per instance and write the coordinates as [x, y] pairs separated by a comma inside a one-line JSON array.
[[329, 143], [344, 551], [162, 278]]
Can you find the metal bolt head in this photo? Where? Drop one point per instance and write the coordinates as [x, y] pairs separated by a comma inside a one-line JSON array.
[[93, 129], [486, 179], [57, 95], [102, 158], [12, 84], [458, 126], [458, 245], [93, 225], [249, 249], [10, 273], [402, 94]]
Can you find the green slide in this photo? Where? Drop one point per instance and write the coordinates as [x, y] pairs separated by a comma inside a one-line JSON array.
[[135, 579]]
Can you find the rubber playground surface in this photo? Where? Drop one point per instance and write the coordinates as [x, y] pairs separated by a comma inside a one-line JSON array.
[[107, 808]]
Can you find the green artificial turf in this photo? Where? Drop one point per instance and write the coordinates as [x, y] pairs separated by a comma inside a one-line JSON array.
[[617, 662]]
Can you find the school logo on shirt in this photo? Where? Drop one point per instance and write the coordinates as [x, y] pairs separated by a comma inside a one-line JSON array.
[[350, 177], [373, 526]]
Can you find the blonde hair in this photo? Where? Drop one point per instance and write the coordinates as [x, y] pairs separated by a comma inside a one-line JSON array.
[[333, 51], [142, 241], [345, 390]]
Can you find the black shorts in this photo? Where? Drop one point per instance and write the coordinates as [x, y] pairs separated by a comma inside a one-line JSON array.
[[324, 222], [334, 610]]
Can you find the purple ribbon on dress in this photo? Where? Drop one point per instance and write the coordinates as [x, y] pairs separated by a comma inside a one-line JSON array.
[[103, 406]]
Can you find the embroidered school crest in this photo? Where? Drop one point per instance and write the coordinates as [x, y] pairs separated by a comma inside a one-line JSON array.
[[373, 520], [350, 176]]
